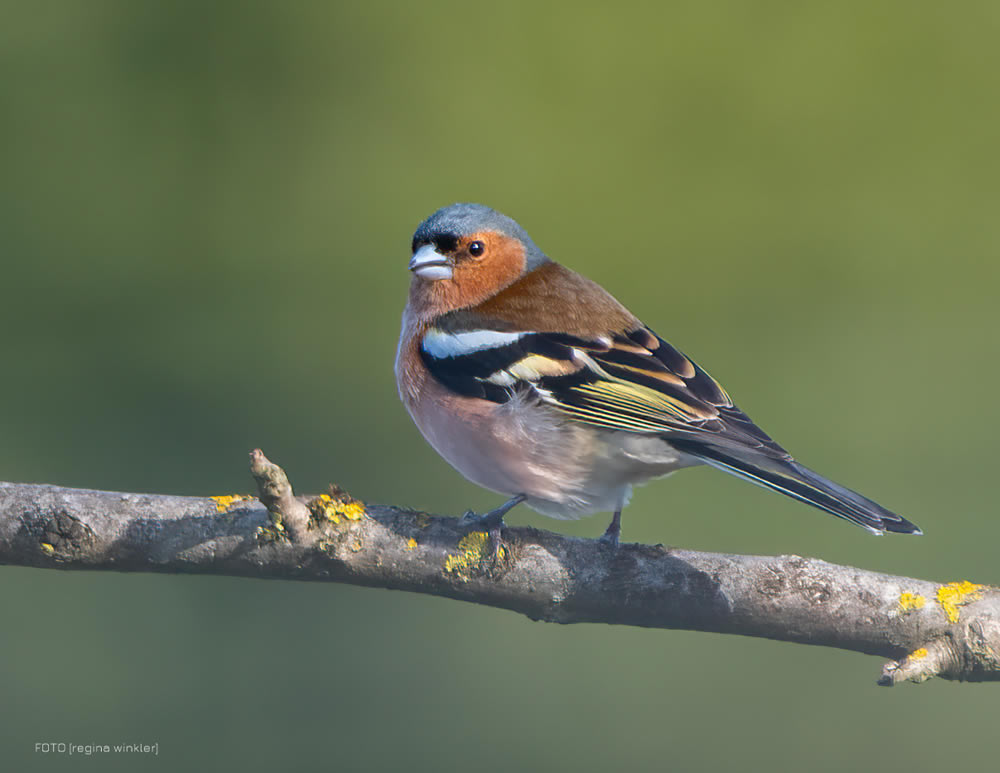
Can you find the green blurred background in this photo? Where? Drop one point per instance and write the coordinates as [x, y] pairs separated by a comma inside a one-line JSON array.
[[205, 214]]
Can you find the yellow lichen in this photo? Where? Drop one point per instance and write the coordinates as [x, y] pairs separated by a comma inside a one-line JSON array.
[[956, 594], [918, 654], [273, 533], [333, 509], [47, 548], [910, 601], [224, 502], [473, 546], [411, 544]]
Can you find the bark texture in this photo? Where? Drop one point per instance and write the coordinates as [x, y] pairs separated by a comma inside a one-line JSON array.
[[925, 628]]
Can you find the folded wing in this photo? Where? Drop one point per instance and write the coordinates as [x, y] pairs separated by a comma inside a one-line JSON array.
[[634, 381]]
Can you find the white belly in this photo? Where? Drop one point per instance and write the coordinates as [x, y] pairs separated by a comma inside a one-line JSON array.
[[565, 468]]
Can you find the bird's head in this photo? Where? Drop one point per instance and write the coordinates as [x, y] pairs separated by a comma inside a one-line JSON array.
[[465, 253]]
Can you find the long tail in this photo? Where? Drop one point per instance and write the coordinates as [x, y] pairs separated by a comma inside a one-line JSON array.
[[792, 479]]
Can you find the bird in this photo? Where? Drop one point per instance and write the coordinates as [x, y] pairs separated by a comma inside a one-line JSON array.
[[534, 382]]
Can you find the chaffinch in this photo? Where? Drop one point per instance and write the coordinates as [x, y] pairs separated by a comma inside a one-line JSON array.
[[534, 382]]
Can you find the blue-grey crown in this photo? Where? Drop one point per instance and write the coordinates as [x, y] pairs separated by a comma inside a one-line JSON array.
[[463, 219]]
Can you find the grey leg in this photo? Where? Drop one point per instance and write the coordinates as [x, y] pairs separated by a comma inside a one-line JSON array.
[[614, 530], [493, 520]]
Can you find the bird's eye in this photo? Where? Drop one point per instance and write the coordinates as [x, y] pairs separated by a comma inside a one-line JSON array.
[[476, 249]]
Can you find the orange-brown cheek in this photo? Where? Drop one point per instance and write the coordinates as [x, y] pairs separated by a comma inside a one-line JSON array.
[[502, 263]]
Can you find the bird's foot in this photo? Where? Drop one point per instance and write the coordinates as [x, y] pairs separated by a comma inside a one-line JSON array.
[[492, 523], [494, 518], [613, 533], [487, 521]]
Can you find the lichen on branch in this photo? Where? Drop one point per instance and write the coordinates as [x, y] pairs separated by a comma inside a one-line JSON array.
[[951, 630]]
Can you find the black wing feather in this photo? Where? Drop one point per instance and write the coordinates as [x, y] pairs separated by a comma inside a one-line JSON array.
[[637, 382]]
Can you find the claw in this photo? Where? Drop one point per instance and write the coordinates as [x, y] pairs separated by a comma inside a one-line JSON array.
[[494, 518], [492, 523]]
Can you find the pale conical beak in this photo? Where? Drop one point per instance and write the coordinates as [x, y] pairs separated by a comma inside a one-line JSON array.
[[428, 263]]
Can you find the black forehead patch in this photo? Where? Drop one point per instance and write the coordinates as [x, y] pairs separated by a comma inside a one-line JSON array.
[[445, 242]]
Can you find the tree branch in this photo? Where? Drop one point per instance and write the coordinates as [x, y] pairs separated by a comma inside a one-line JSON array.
[[927, 629]]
